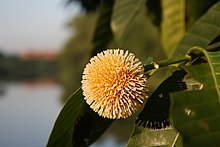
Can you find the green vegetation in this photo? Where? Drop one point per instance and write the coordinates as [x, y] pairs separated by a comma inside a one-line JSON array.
[[183, 33], [90, 31], [13, 68], [76, 52]]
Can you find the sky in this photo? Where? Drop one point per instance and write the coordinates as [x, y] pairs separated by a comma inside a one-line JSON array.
[[34, 25]]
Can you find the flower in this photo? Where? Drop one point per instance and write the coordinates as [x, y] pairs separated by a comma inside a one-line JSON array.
[[114, 83]]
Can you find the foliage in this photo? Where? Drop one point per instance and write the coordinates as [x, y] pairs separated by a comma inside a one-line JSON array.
[[172, 29], [196, 116], [78, 125], [76, 51], [141, 44], [163, 137], [194, 112], [154, 118], [123, 17], [103, 33], [203, 31]]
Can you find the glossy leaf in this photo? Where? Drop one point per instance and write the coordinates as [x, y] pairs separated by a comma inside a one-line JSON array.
[[89, 127], [124, 13], [157, 138], [173, 24], [195, 114], [157, 111], [77, 125], [155, 114], [63, 129], [202, 32]]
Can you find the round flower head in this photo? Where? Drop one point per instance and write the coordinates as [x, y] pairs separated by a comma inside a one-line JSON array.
[[114, 83]]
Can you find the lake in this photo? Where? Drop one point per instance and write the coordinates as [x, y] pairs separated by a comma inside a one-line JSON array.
[[28, 111]]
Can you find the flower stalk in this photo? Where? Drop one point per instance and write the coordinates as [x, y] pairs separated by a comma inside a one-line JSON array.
[[163, 63]]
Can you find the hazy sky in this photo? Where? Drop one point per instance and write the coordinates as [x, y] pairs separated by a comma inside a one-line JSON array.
[[33, 24]]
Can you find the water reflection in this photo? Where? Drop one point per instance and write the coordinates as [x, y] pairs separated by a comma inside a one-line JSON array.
[[28, 111]]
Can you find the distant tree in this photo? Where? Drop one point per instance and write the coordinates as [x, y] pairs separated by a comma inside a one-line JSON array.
[[87, 5]]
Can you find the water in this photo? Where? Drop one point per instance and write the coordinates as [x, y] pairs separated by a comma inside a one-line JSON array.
[[29, 110], [27, 114]]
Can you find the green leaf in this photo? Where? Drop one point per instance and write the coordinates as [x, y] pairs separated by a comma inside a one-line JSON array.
[[195, 114], [173, 24], [195, 9], [63, 129], [202, 32], [164, 137], [77, 125], [154, 11], [148, 137], [124, 13], [155, 114], [103, 33]]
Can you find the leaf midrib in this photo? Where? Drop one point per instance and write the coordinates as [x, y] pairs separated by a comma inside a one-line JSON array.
[[213, 73]]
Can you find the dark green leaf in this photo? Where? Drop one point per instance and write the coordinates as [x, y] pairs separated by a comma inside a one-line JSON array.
[[214, 45], [77, 125], [163, 137], [202, 32], [216, 40], [195, 114], [155, 114], [103, 33], [154, 11], [89, 127], [63, 129], [195, 9], [124, 13]]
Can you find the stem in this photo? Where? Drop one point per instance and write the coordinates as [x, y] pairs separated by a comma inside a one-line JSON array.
[[163, 63], [168, 62]]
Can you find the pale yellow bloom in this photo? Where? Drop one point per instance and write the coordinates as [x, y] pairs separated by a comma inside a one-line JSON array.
[[114, 83]]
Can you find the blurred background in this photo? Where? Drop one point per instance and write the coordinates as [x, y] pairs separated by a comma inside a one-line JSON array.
[[44, 46]]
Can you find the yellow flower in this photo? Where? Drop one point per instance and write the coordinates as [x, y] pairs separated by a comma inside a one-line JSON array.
[[114, 83]]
